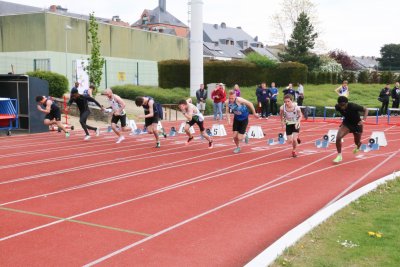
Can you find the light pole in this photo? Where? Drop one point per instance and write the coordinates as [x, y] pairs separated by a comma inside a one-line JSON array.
[[66, 28]]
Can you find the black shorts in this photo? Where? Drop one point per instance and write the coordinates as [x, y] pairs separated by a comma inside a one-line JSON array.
[[150, 121], [357, 129], [199, 123], [291, 128], [240, 126], [116, 118], [54, 114]]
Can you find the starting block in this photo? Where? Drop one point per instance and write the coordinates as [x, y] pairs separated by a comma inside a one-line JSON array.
[[372, 145], [379, 138], [218, 130], [172, 132], [182, 129], [281, 140], [322, 143], [255, 132]]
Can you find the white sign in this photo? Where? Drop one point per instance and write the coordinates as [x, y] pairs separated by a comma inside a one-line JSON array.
[[81, 75]]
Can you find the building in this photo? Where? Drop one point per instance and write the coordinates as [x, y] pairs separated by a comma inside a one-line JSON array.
[[56, 40], [365, 63]]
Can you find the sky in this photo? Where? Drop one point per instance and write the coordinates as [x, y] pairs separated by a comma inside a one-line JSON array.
[[358, 27]]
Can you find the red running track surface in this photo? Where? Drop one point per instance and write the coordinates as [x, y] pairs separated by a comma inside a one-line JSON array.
[[70, 202]]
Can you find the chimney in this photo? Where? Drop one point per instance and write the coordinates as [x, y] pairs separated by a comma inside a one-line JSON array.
[[216, 26], [223, 25], [163, 5], [53, 8]]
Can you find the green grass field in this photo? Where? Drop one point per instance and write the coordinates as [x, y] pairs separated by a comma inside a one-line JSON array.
[[366, 233], [324, 95]]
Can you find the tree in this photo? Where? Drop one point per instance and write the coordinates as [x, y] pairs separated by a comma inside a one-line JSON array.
[[283, 21], [96, 61], [302, 40], [342, 58], [390, 57]]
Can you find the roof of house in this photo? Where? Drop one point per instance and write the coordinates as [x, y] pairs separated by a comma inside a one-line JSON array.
[[160, 16], [262, 51], [365, 62], [215, 33], [7, 8]]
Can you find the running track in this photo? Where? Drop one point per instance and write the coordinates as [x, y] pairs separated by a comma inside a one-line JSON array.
[[66, 202]]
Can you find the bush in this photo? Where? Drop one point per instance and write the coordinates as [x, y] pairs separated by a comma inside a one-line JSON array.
[[260, 60], [176, 73], [288, 72], [58, 84], [164, 96], [363, 77]]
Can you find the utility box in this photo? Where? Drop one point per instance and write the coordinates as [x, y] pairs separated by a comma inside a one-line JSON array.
[[25, 89]]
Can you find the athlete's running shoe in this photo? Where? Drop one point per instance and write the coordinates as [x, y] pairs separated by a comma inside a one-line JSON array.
[[210, 144], [158, 145], [120, 139], [189, 140], [338, 159], [66, 134], [294, 154], [356, 150], [87, 138], [97, 131], [237, 150]]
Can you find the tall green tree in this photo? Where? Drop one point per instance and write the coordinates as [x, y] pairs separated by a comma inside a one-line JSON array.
[[390, 57], [301, 42], [96, 61]]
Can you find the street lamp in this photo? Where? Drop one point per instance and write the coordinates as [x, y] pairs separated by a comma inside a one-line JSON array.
[[66, 28]]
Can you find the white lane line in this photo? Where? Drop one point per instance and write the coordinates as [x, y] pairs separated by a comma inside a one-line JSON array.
[[344, 192]]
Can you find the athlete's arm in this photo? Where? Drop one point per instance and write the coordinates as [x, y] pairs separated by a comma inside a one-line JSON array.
[[151, 109], [121, 103], [248, 104], [48, 106]]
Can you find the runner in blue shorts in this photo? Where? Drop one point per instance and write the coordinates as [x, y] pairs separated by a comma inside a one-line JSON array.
[[240, 108]]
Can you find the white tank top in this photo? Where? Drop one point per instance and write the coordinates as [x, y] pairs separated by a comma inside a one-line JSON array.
[[291, 117], [196, 112], [115, 105]]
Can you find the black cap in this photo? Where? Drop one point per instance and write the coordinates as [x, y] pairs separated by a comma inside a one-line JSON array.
[[74, 91]]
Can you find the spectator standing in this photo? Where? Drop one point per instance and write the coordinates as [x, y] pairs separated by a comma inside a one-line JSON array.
[[263, 98], [343, 90], [384, 98], [273, 99], [300, 94], [218, 96], [290, 91], [89, 91], [201, 96], [395, 95], [236, 89]]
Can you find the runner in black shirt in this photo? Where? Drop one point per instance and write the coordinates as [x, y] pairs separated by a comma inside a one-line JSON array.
[[352, 123], [82, 103]]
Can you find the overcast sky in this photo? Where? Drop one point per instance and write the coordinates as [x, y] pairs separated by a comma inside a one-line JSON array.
[[358, 27]]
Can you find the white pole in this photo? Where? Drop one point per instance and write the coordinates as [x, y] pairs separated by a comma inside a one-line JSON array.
[[196, 46], [67, 28]]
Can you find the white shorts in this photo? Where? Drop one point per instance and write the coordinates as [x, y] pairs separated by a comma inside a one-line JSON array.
[[201, 106]]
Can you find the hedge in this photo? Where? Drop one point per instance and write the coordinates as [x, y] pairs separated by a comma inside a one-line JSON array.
[[176, 73], [58, 84]]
